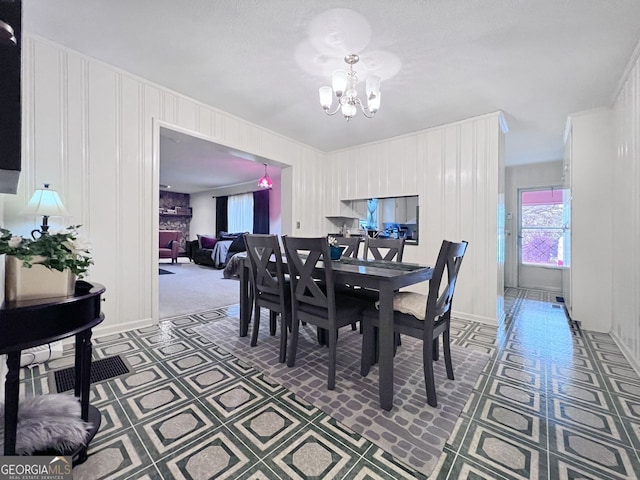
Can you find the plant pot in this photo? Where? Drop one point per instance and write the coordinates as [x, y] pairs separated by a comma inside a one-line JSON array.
[[336, 252], [23, 283]]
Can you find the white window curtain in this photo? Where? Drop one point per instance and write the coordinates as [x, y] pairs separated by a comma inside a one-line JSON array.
[[240, 213]]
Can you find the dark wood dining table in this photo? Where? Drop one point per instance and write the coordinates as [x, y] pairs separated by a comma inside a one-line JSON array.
[[385, 277]]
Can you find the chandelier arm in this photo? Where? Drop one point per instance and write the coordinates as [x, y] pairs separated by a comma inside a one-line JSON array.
[[365, 110], [326, 110], [368, 115]]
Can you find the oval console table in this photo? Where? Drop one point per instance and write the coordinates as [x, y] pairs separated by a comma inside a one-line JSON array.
[[30, 323]]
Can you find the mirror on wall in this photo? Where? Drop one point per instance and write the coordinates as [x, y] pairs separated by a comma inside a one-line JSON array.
[[393, 217]]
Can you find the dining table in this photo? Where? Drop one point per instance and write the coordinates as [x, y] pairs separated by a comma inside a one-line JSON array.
[[384, 276]]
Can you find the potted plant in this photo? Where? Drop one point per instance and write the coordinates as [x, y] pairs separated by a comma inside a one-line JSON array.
[[45, 266], [335, 250]]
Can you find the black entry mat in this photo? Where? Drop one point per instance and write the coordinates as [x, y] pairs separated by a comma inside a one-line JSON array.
[[103, 369], [162, 271]]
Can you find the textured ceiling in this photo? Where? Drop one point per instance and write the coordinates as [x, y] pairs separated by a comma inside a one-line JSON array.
[[440, 60]]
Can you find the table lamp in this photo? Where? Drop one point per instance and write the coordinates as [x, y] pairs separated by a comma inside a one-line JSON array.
[[45, 202]]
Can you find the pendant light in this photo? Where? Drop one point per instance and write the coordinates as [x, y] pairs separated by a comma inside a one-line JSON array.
[[265, 182]]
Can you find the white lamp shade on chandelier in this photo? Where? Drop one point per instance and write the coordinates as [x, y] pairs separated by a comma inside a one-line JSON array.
[[344, 88]]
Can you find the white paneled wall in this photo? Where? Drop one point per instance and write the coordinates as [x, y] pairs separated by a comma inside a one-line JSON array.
[[92, 132], [590, 289], [626, 218], [458, 172]]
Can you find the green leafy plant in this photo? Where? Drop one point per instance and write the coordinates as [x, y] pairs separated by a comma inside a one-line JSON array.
[[57, 250]]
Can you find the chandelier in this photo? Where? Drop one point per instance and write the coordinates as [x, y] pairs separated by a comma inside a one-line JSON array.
[[344, 88]]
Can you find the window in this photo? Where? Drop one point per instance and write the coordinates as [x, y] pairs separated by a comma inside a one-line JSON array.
[[541, 220], [240, 213]]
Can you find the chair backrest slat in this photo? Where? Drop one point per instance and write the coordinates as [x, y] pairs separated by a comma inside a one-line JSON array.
[[439, 303], [394, 248], [352, 244], [261, 249], [303, 256]]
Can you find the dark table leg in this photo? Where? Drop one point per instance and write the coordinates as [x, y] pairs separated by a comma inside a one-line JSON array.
[[385, 346], [78, 362], [245, 314], [83, 343], [11, 390]]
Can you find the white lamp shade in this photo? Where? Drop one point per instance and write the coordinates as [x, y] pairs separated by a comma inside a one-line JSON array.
[[373, 85], [339, 82], [46, 202], [374, 103], [326, 96]]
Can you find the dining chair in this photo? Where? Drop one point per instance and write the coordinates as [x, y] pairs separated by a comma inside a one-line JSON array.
[[352, 245], [270, 288], [384, 248], [389, 249], [352, 250], [316, 302], [424, 317]]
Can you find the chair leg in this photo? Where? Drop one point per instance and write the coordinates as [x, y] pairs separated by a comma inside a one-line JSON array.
[[447, 353], [396, 342], [245, 325], [429, 380], [256, 325], [285, 324], [332, 339], [272, 323], [322, 336], [293, 345], [354, 326], [436, 350], [368, 347]]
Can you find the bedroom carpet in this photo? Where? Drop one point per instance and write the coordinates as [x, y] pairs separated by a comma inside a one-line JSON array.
[[412, 432]]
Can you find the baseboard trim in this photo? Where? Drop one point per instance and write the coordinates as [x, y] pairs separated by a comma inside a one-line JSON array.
[[635, 364], [103, 331], [475, 318]]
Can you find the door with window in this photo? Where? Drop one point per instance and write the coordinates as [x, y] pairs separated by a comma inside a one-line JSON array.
[[541, 238]]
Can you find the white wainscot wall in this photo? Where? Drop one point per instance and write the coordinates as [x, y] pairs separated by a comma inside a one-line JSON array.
[[92, 132], [625, 305], [457, 171]]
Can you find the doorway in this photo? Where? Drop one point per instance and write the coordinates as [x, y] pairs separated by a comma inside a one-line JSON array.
[[541, 238], [195, 167]]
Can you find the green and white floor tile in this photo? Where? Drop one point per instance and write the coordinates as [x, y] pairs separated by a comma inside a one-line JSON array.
[[553, 402]]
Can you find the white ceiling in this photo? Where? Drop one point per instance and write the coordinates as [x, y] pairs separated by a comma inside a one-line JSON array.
[[189, 164], [440, 60]]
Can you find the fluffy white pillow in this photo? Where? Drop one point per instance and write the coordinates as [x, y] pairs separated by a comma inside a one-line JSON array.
[[48, 422], [411, 303]]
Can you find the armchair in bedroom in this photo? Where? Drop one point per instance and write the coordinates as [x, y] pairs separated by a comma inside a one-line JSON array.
[[169, 243]]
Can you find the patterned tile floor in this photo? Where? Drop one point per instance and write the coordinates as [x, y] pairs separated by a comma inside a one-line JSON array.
[[553, 403]]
